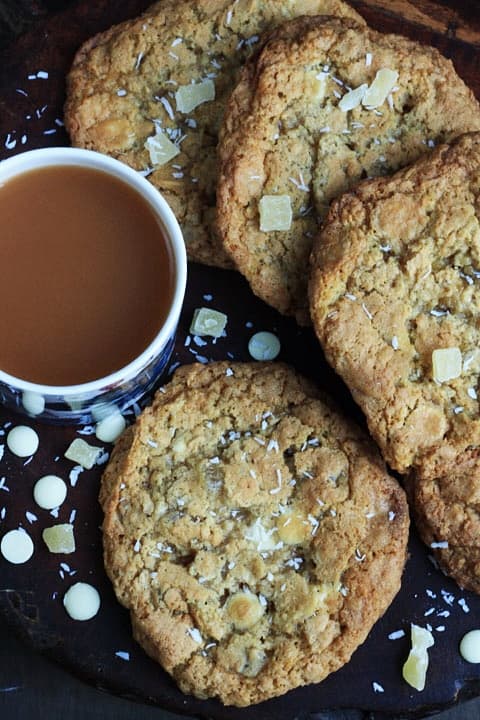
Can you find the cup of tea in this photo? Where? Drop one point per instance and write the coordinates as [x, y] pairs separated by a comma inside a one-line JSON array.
[[93, 269]]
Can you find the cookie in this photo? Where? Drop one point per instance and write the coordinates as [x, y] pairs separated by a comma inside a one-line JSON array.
[[395, 303], [446, 514], [295, 127], [132, 85], [251, 530]]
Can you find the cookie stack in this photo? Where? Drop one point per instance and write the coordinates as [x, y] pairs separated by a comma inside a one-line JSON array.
[[252, 531]]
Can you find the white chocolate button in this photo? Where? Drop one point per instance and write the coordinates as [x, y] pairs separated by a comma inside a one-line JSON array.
[[383, 84], [16, 546], [110, 428], [470, 646], [82, 601], [22, 441], [49, 492], [264, 346], [33, 403]]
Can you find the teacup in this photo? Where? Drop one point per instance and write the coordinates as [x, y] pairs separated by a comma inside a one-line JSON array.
[[93, 270]]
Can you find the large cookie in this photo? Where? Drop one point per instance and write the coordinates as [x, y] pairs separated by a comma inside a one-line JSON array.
[[252, 531], [446, 515], [288, 131], [394, 297], [123, 84]]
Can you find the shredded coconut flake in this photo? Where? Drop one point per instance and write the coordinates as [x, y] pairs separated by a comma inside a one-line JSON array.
[[123, 655], [195, 635]]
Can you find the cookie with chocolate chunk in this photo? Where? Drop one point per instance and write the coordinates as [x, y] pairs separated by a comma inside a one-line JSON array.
[[324, 104], [395, 301], [151, 92], [251, 530]]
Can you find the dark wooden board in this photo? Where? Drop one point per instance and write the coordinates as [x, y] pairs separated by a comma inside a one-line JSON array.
[[31, 594]]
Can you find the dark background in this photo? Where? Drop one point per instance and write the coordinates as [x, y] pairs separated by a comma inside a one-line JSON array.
[[31, 686]]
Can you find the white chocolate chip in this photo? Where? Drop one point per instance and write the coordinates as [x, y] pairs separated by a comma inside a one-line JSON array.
[[275, 212], [208, 322], [82, 453], [188, 97], [33, 403], [22, 441], [260, 537], [470, 646], [16, 547], [49, 492], [59, 538], [161, 149], [244, 609], [81, 601], [415, 668], [111, 427], [446, 364], [264, 346]]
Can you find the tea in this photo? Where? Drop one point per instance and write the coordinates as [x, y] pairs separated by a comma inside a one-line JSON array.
[[87, 276]]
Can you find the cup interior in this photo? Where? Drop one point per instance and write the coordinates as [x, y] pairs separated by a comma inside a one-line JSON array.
[[129, 378]]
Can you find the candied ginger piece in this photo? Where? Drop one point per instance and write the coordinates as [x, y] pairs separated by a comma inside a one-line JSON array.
[[82, 453], [446, 364], [415, 668], [275, 212], [353, 98], [59, 538], [206, 321], [188, 97], [161, 149], [380, 88]]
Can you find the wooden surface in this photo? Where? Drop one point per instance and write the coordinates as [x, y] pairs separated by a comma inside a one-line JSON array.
[[31, 595], [33, 687]]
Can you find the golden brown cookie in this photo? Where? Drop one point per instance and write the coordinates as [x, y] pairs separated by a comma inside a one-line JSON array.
[[395, 303], [134, 82], [446, 514], [251, 530], [325, 104]]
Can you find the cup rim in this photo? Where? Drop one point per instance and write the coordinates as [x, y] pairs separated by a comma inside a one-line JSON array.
[[44, 157]]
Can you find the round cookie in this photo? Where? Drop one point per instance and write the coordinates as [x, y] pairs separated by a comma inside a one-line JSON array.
[[122, 90], [394, 294], [252, 531], [295, 127], [446, 514]]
